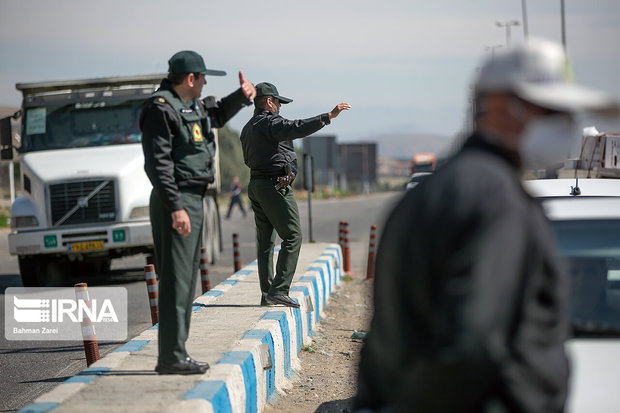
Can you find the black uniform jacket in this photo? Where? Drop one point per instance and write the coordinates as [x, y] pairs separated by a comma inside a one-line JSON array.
[[470, 306], [162, 131], [266, 141]]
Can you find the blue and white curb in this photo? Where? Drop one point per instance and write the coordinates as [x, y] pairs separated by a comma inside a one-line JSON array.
[[242, 380], [255, 369]]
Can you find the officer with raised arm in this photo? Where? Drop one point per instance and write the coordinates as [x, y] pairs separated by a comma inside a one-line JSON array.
[[268, 151], [179, 150]]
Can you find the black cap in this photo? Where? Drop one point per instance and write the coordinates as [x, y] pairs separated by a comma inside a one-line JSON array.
[[189, 61], [267, 89]]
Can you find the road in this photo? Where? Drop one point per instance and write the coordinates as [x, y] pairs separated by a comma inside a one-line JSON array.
[[31, 368]]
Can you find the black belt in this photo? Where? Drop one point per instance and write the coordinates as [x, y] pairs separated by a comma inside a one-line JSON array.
[[196, 189]]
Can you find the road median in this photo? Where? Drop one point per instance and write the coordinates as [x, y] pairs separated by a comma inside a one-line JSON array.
[[253, 350]]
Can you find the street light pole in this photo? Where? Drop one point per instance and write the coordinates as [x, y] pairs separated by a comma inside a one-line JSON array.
[[507, 25], [524, 12], [492, 49], [563, 25]]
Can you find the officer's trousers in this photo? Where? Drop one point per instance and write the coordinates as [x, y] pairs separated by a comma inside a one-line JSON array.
[[176, 263], [275, 211]]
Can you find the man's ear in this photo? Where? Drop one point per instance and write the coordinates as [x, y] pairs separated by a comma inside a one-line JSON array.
[[190, 80]]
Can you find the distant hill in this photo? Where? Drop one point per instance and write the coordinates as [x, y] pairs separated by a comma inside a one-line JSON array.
[[7, 111], [403, 146]]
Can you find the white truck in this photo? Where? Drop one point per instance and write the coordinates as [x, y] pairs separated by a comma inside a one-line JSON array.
[[85, 195]]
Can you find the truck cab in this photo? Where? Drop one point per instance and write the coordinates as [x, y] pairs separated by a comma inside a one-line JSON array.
[[85, 195]]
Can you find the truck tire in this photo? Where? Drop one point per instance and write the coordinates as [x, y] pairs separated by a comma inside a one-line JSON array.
[[28, 270], [41, 271], [211, 230]]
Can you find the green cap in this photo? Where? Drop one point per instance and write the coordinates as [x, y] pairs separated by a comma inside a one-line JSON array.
[[189, 61], [267, 89]]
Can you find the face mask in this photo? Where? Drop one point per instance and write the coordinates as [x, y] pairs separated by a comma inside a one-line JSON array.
[[546, 141]]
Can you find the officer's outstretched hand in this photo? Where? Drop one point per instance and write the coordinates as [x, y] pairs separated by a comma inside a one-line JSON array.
[[247, 87], [339, 108]]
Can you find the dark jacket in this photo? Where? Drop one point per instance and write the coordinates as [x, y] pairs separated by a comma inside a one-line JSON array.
[[178, 143], [266, 141], [470, 306]]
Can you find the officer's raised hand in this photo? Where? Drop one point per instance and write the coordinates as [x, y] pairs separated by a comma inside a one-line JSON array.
[[339, 108], [247, 87]]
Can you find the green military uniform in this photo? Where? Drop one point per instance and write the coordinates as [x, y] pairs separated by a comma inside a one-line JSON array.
[[179, 151], [268, 151]]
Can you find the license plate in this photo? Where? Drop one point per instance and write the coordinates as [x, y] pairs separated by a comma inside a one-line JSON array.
[[86, 246]]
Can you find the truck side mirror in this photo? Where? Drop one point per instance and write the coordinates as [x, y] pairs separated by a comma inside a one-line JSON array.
[[6, 139]]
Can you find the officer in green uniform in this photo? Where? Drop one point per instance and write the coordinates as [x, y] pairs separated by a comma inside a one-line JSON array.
[[268, 151], [179, 151]]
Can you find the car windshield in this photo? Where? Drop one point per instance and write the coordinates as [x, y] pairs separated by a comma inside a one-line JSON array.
[[81, 124], [591, 252]]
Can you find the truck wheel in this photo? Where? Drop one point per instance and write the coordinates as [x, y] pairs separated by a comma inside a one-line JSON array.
[[211, 230], [28, 270], [41, 271]]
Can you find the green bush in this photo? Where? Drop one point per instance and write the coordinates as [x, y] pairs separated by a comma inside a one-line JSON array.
[[4, 218]]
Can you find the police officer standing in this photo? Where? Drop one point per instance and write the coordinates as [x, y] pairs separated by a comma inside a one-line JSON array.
[[268, 151], [179, 151]]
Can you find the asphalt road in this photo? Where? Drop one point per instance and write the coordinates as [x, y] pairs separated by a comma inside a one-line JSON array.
[[30, 368]]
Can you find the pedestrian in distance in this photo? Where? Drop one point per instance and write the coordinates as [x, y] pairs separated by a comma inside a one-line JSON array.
[[269, 153], [235, 197], [179, 150], [470, 304]]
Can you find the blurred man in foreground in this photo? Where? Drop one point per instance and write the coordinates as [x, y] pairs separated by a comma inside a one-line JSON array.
[[470, 306]]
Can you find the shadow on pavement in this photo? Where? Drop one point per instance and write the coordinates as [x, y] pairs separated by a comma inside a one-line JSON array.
[[336, 406]]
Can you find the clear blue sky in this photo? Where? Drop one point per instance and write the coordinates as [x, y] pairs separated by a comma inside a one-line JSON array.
[[404, 65]]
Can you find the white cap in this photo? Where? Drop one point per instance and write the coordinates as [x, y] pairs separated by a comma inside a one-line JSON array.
[[539, 72]]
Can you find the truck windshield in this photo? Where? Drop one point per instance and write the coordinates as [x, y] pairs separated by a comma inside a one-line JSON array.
[[592, 257], [81, 124]]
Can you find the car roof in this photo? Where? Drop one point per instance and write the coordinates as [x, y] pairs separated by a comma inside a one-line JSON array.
[[549, 188], [598, 199], [589, 208]]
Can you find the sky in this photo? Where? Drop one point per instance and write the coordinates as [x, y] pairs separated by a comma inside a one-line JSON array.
[[405, 66]]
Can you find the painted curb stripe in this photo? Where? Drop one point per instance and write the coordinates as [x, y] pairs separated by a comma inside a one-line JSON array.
[[246, 361], [214, 392], [309, 278], [306, 293], [133, 346], [87, 375], [298, 328], [244, 272], [339, 253], [320, 271], [39, 407], [329, 274], [280, 317], [214, 293], [270, 375], [229, 282]]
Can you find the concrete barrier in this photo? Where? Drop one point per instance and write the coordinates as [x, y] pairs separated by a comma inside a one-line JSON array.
[[253, 350]]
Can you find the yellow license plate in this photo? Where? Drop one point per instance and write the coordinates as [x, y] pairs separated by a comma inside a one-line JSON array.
[[86, 246]]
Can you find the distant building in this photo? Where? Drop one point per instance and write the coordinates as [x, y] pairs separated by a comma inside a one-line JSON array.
[[358, 164], [347, 165], [324, 150]]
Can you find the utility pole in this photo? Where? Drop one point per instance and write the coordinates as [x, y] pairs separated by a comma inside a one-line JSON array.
[[563, 25], [507, 25], [492, 49], [524, 12]]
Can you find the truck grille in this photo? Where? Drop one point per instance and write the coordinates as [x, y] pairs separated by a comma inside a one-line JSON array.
[[100, 207]]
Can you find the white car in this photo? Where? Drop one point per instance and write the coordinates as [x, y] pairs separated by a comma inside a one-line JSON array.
[[587, 229]]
